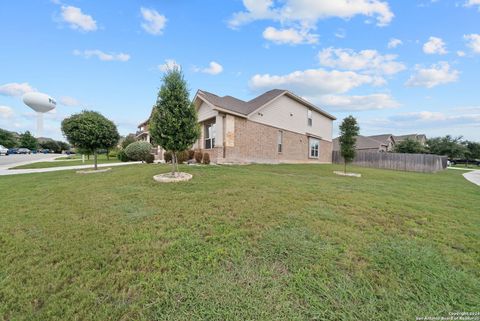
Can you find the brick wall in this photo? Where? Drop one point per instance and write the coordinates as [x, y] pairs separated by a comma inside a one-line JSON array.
[[254, 142]]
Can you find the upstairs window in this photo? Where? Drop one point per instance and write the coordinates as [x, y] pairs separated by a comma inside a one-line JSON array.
[[280, 141], [309, 117], [314, 145], [210, 133]]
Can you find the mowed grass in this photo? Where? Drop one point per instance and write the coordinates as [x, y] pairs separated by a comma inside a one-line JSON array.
[[64, 161], [257, 242]]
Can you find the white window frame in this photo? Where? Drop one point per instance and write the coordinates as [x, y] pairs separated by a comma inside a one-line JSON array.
[[280, 142], [312, 151], [309, 117], [210, 140]]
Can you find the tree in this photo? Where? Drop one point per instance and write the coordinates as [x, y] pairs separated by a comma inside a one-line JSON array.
[[348, 138], [63, 146], [51, 145], [473, 149], [28, 141], [410, 146], [447, 146], [130, 138], [173, 124], [7, 138], [90, 131]]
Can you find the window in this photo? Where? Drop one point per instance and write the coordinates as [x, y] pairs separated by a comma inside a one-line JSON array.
[[210, 134], [314, 144], [280, 141], [309, 117]]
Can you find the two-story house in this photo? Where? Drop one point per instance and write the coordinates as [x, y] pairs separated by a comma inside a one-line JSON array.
[[275, 127]]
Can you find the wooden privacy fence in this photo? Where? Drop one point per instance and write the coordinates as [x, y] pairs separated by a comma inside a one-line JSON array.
[[401, 162]]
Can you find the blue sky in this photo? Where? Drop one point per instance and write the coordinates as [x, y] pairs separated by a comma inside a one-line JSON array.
[[398, 66]]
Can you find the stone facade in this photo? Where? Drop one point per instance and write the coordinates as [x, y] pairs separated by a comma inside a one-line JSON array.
[[253, 142]]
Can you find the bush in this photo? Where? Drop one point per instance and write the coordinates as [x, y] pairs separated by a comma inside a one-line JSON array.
[[167, 156], [113, 153], [191, 154], [150, 158], [122, 156], [198, 156], [182, 157], [206, 158], [138, 151]]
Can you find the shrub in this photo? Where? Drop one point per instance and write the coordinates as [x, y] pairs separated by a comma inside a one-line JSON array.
[[198, 156], [167, 156], [206, 158], [113, 153], [122, 156], [138, 151], [182, 157], [150, 158], [191, 154]]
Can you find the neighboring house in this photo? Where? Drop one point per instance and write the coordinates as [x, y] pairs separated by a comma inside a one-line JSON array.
[[421, 138], [381, 143], [143, 134], [275, 127]]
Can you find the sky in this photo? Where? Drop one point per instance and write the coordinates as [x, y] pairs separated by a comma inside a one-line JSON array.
[[398, 66]]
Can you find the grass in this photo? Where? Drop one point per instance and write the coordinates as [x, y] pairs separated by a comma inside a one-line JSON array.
[[258, 242], [64, 161]]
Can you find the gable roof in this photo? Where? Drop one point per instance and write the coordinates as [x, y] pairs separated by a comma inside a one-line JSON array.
[[245, 108], [365, 142]]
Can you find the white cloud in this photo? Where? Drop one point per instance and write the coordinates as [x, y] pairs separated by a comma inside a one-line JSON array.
[[461, 53], [312, 82], [214, 68], [368, 61], [154, 22], [289, 36], [437, 74], [6, 112], [359, 103], [471, 3], [16, 89], [308, 12], [436, 117], [102, 55], [77, 19], [435, 45], [394, 43], [169, 64], [69, 101], [473, 42]]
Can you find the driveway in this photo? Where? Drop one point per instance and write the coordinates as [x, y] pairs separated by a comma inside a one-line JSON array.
[[473, 177]]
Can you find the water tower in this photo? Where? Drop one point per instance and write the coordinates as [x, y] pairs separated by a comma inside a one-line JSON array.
[[41, 104]]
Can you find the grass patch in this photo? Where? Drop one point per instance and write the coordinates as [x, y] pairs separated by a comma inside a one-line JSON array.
[[258, 242]]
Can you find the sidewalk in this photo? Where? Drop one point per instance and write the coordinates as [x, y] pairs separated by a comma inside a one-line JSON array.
[[473, 177], [5, 171]]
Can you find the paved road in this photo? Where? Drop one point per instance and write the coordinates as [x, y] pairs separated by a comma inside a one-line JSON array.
[[473, 177], [17, 160]]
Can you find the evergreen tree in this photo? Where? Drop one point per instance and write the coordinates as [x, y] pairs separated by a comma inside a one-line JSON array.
[[89, 131], [173, 124], [28, 141], [348, 138]]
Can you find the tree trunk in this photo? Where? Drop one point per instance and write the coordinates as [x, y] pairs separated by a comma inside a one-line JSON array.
[[95, 160], [173, 163], [345, 167]]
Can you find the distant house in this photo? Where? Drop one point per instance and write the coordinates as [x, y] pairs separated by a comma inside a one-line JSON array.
[[376, 143], [275, 127], [381, 143]]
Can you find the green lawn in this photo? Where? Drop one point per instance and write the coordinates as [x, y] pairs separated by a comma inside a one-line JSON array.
[[258, 242], [64, 161]]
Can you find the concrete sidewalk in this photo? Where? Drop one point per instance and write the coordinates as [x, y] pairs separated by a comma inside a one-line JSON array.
[[5, 171], [473, 177]]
